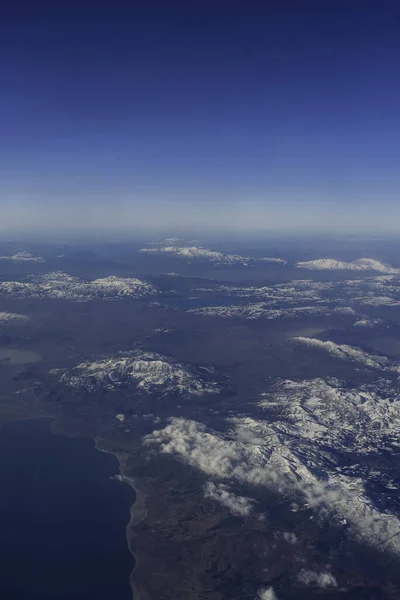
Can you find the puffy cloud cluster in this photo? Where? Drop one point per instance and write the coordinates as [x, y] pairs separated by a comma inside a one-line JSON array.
[[290, 537], [213, 454], [323, 580], [286, 456], [238, 505]]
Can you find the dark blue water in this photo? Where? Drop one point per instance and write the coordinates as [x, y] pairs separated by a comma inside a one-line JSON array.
[[62, 518]]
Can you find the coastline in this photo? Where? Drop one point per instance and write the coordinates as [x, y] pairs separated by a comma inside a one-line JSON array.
[[48, 423], [138, 510], [138, 513]]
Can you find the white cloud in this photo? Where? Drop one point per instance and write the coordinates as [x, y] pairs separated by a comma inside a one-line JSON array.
[[280, 457], [238, 505], [267, 594], [322, 580], [290, 537]]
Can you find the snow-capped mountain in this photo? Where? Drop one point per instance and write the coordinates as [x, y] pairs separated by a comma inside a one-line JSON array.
[[112, 287], [260, 310], [299, 290], [362, 264], [379, 301], [312, 444], [63, 286], [330, 412], [306, 290], [145, 372], [367, 323], [287, 300], [23, 257], [346, 353], [194, 252]]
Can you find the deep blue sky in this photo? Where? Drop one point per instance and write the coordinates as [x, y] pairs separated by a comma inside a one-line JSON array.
[[281, 114]]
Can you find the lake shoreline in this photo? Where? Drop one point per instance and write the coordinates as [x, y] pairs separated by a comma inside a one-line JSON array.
[[138, 513], [54, 428]]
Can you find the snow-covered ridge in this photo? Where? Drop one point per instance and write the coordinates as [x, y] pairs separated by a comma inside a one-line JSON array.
[[298, 290], [260, 310], [194, 252], [291, 300], [379, 301], [347, 353], [63, 286], [385, 287], [331, 413], [23, 257], [322, 298], [362, 264], [221, 258], [296, 450], [6, 318], [367, 323], [146, 372]]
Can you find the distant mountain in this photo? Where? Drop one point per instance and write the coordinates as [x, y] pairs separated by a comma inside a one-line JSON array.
[[261, 310], [347, 353], [194, 252], [6, 317], [146, 372], [23, 257], [362, 264], [58, 285]]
